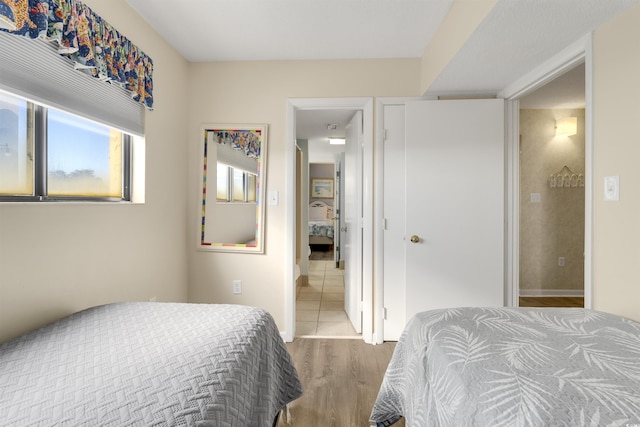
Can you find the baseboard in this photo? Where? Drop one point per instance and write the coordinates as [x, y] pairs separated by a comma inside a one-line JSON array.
[[551, 293], [303, 280]]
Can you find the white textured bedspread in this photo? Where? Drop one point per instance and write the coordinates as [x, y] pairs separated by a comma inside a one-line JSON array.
[[149, 364], [513, 367]]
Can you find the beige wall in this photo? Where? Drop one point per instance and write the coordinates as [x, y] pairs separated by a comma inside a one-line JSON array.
[[58, 258], [256, 92], [616, 239], [554, 227], [321, 170]]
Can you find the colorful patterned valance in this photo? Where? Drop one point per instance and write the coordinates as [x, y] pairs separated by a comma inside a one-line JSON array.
[[247, 141], [94, 45]]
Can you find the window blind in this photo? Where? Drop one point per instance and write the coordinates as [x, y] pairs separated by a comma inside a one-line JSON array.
[[34, 70]]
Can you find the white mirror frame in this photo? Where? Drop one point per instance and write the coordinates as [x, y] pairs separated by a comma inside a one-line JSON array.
[[208, 196]]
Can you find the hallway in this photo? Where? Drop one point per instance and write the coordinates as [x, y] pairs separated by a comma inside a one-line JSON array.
[[320, 306]]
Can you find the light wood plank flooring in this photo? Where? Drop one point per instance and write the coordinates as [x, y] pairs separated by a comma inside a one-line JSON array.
[[340, 378]]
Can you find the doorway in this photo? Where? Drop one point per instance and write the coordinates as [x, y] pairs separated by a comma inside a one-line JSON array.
[[552, 193], [321, 291], [573, 56], [324, 209], [297, 201]]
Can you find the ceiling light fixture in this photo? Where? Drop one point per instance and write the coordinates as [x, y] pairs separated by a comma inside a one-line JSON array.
[[337, 141]]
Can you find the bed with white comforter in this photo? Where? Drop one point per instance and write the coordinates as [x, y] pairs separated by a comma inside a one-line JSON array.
[[513, 367], [149, 364]]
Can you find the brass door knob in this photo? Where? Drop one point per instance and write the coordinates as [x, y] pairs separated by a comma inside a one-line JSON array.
[[415, 239]]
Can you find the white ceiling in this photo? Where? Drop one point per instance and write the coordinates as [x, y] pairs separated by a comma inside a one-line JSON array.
[[312, 126], [516, 36], [248, 30]]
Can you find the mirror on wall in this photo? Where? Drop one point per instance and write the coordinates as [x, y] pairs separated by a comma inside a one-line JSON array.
[[233, 169]]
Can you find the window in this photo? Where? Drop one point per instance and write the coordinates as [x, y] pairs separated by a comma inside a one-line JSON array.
[[223, 183], [49, 155], [16, 144], [238, 186], [235, 185]]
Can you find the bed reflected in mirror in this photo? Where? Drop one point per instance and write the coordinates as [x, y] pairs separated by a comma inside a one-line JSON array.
[[233, 160]]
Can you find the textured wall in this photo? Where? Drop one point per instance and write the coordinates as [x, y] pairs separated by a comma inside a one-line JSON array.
[[553, 227]]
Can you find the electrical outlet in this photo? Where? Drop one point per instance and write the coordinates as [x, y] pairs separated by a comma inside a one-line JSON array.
[[561, 261], [237, 287]]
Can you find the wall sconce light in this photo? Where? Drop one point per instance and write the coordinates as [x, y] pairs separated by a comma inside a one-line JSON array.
[[567, 126], [336, 141]]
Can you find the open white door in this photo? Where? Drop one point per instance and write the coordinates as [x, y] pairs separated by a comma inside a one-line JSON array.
[[452, 247], [352, 219], [337, 213]]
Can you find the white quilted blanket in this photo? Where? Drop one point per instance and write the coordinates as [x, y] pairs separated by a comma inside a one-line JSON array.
[[513, 367], [149, 364]]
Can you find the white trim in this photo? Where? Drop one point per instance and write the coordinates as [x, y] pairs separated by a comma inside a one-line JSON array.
[[290, 225], [580, 51], [551, 293], [378, 231], [589, 172], [557, 65], [512, 204], [366, 105]]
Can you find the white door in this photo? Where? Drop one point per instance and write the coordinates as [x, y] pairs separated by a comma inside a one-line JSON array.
[[453, 206], [352, 222], [337, 212]]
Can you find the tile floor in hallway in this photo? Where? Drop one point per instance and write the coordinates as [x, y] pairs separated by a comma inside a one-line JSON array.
[[320, 306]]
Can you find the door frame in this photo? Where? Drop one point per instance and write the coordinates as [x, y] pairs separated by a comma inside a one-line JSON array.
[[573, 55], [365, 104], [378, 337]]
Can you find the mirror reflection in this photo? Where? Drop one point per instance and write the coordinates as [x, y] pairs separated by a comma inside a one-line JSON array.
[[233, 159]]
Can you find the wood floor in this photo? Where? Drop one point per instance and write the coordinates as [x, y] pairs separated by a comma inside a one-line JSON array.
[[551, 302], [340, 378]]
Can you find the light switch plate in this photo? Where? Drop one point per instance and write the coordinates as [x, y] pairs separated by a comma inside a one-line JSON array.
[[611, 188], [273, 198]]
